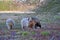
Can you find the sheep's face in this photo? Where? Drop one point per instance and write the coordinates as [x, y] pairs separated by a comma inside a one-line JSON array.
[[10, 24]]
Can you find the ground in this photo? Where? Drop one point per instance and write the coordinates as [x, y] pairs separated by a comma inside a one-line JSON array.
[[49, 17], [50, 28], [41, 34]]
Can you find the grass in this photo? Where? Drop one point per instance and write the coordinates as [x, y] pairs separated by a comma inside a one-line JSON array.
[[57, 17], [4, 6], [33, 32], [44, 19], [24, 33], [45, 33], [9, 5], [31, 39]]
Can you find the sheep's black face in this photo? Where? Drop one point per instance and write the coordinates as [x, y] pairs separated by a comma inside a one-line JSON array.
[[37, 25], [33, 24], [10, 25]]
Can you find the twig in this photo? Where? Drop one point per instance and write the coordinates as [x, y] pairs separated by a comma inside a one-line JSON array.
[[52, 38]]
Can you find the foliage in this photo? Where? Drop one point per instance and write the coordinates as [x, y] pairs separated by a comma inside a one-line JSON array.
[[52, 6]]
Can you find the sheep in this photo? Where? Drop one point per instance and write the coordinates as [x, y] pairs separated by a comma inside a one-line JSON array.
[[36, 22], [10, 23], [24, 23], [31, 22]]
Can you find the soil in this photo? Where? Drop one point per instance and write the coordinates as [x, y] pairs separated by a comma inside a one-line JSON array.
[[16, 34]]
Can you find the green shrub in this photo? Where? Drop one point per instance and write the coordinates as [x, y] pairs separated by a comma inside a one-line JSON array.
[[57, 17], [33, 32], [24, 33], [45, 33], [31, 39]]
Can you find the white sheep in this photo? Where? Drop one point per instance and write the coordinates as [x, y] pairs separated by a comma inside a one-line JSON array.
[[25, 23], [10, 23]]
